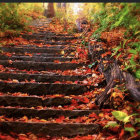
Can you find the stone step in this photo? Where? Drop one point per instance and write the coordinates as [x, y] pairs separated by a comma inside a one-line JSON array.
[[45, 42], [52, 34], [51, 55], [36, 58], [57, 43], [42, 33], [49, 37], [44, 89], [30, 50], [40, 66], [43, 47], [43, 113], [59, 38], [51, 129], [29, 101], [41, 77], [41, 55]]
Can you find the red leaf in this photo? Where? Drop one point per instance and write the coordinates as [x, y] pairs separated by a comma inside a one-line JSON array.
[[85, 100], [60, 119], [74, 102], [93, 115], [88, 71], [106, 110]]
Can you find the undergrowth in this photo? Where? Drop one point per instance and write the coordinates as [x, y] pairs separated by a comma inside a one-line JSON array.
[[16, 17], [117, 16]]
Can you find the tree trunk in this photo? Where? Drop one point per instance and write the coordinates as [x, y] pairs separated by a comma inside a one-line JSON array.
[[50, 11]]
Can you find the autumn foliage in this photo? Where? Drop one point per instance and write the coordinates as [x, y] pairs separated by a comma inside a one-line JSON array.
[[110, 26]]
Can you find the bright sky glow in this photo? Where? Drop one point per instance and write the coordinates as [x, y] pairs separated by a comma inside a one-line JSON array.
[[76, 8]]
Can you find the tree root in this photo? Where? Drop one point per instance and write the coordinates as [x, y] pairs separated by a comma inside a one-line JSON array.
[[114, 76]]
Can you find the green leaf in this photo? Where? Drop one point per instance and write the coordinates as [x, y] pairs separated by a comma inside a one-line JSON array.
[[130, 129], [126, 119], [137, 73], [124, 43], [122, 116], [138, 32], [111, 124], [119, 115], [115, 50], [83, 42], [137, 120], [132, 62], [118, 55], [91, 65], [133, 51]]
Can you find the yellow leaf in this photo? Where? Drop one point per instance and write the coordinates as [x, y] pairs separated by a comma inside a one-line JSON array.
[[101, 115], [62, 52], [15, 81], [43, 120]]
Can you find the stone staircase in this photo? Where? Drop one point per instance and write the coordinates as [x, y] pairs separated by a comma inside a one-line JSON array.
[[28, 83]]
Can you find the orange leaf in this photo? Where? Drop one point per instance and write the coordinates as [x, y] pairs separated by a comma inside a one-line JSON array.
[[15, 81], [121, 134], [57, 82], [22, 137], [74, 61], [24, 118], [105, 54], [10, 61], [56, 61], [110, 137]]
